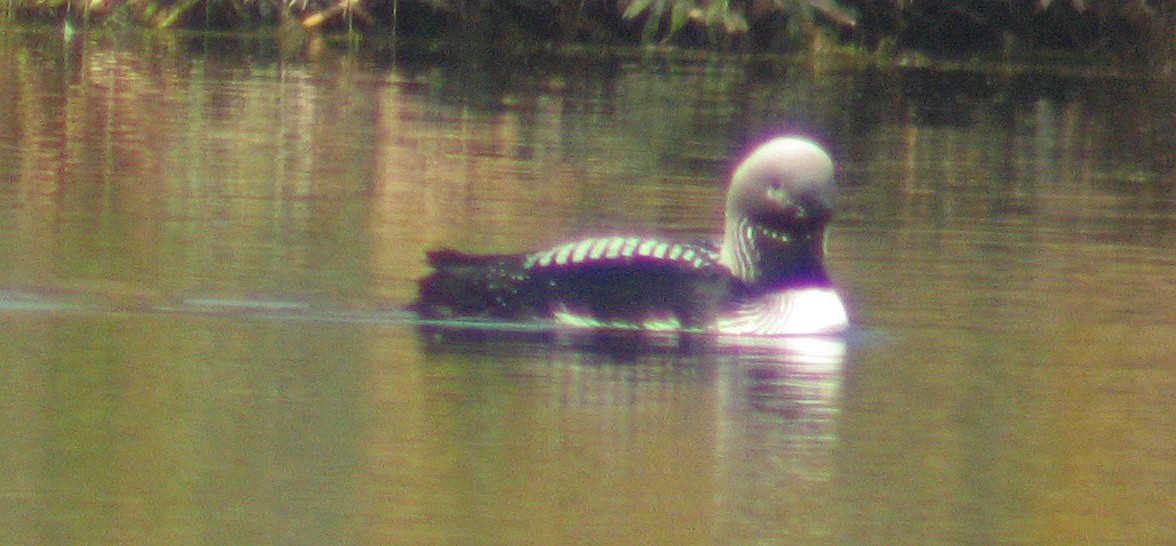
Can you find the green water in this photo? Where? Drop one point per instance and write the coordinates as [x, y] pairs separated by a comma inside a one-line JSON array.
[[204, 244]]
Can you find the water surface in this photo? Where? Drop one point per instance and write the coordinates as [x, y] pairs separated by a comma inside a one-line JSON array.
[[205, 244]]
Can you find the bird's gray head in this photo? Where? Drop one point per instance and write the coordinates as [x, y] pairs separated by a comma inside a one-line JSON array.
[[778, 207]]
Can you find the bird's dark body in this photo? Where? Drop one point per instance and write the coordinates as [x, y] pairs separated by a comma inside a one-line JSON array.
[[765, 278], [634, 284]]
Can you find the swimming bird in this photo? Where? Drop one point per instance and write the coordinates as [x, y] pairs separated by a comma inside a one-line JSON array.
[[766, 277]]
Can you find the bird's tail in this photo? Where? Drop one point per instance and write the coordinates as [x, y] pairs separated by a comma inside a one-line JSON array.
[[465, 285]]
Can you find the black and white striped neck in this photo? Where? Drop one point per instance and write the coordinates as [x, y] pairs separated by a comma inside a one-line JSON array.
[[764, 258]]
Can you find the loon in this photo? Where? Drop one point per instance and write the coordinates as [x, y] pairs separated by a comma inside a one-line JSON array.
[[766, 278]]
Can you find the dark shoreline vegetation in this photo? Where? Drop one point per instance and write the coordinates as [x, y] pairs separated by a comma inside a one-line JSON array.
[[1137, 33]]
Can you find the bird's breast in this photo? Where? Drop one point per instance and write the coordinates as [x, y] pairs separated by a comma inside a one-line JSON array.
[[800, 311]]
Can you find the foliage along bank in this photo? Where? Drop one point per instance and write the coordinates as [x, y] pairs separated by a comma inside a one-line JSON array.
[[1130, 31]]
